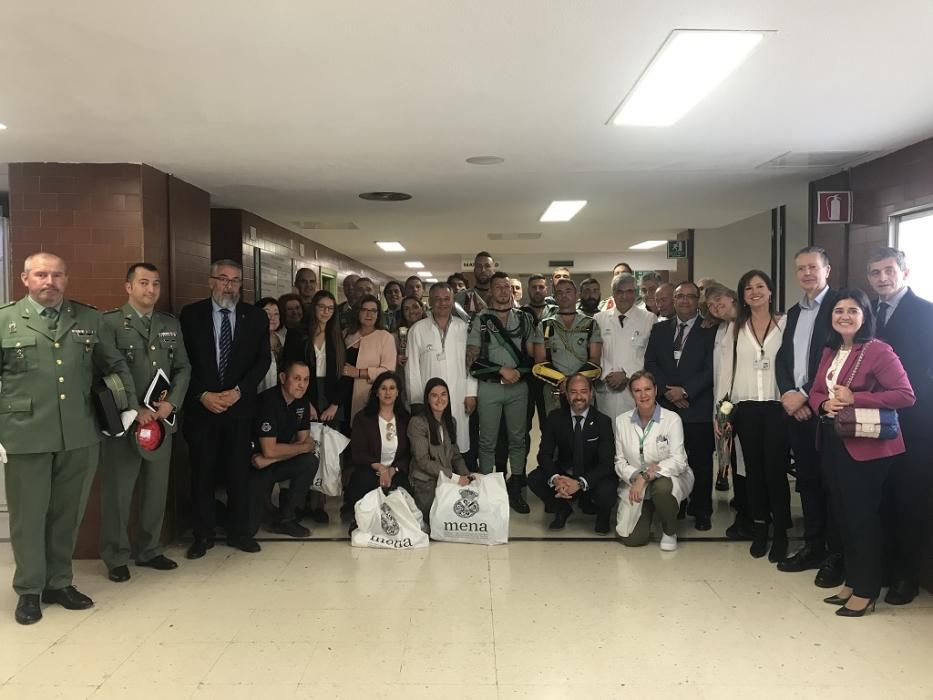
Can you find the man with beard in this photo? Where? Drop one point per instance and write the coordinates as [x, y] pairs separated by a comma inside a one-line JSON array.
[[590, 296], [474, 300], [664, 301], [538, 309], [228, 346]]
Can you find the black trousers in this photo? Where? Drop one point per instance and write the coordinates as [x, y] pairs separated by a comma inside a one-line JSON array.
[[602, 495], [907, 504], [857, 490], [219, 446], [363, 479], [700, 443], [298, 470], [819, 527], [760, 427]]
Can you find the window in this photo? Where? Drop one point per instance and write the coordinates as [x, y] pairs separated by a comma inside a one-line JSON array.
[[913, 233]]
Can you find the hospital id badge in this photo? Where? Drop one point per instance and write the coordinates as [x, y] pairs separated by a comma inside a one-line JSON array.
[[762, 364], [441, 357]]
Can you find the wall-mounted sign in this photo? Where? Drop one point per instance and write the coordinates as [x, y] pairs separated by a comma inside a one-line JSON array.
[[676, 249], [834, 207]]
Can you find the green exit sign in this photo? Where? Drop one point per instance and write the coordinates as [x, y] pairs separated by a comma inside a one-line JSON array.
[[677, 249]]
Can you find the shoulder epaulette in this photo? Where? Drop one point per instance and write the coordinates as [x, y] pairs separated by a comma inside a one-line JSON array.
[[166, 313], [81, 303], [112, 311], [7, 304]]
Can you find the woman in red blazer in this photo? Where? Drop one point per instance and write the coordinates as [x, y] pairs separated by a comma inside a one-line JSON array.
[[379, 447], [856, 468]]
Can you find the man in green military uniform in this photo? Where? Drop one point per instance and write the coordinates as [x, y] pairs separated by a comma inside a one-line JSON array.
[[149, 341], [499, 355], [51, 350], [566, 343]]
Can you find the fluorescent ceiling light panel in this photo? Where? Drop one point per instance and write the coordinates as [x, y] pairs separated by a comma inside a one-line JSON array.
[[689, 65], [2, 127], [414, 265], [562, 210], [432, 280], [424, 273], [647, 245], [391, 246]]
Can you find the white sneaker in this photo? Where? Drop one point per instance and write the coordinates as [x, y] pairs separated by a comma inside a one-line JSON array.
[[668, 542]]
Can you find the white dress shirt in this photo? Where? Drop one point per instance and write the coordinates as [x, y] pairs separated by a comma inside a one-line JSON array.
[[755, 378]]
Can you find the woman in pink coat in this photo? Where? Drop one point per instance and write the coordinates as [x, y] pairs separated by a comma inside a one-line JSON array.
[[860, 371], [370, 351]]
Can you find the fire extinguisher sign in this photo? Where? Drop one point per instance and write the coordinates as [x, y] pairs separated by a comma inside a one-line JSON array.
[[834, 207]]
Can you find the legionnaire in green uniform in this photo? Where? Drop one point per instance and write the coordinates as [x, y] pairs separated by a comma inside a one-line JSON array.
[[51, 350], [499, 355], [565, 343], [149, 341], [473, 300]]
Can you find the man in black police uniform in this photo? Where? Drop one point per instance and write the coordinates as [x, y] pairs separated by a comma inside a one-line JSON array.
[[284, 449], [576, 459]]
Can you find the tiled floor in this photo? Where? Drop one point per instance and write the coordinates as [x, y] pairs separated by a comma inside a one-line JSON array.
[[531, 619]]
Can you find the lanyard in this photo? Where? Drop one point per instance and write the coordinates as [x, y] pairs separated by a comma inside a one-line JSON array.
[[641, 441], [761, 343]]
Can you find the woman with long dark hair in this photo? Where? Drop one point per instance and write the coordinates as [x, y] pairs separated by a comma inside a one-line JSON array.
[[370, 352], [857, 371], [410, 312], [747, 376], [379, 446], [271, 306], [433, 438]]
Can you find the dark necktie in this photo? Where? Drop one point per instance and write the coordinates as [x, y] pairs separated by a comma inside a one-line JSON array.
[[147, 324], [622, 320], [51, 318], [226, 343], [679, 340], [578, 445], [883, 314]]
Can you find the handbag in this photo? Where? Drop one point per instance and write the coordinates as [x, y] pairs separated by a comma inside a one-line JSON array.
[[872, 423]]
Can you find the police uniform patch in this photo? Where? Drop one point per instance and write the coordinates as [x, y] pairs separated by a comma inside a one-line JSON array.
[[466, 506]]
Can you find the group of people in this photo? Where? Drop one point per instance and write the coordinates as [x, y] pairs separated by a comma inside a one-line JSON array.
[[634, 393]]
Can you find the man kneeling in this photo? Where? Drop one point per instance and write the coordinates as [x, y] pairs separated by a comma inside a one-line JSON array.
[[575, 460], [285, 450]]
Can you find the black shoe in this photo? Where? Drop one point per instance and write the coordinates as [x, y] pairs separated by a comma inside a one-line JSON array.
[[319, 516], [516, 500], [199, 548], [560, 518], [602, 523], [244, 544], [738, 531], [835, 600], [292, 528], [849, 612], [722, 483], [759, 541], [703, 523], [901, 593], [682, 513], [28, 609], [119, 574], [68, 597], [832, 572], [778, 551], [160, 563], [806, 558]]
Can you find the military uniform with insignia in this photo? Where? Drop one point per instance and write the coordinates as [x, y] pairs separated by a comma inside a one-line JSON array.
[[148, 344], [49, 360], [567, 351]]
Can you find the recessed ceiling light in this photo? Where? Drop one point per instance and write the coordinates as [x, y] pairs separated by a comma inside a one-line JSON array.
[[647, 245], [2, 127], [424, 274], [689, 64], [485, 160], [562, 210], [391, 246], [385, 196], [432, 280], [414, 264]]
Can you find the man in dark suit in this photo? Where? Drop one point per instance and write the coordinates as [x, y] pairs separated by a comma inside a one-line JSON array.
[[809, 324], [680, 356], [576, 459], [905, 321], [228, 346]]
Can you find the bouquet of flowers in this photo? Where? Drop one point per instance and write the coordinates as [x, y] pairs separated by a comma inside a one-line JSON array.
[[723, 419]]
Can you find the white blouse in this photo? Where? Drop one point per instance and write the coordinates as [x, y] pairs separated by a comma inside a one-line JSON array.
[[755, 378], [320, 361], [389, 439], [832, 374]]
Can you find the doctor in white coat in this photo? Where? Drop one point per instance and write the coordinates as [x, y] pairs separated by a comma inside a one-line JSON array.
[[437, 348], [625, 329], [652, 466]]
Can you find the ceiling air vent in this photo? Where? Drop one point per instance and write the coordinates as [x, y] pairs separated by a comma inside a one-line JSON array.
[[560, 263], [327, 225], [513, 236], [815, 159]]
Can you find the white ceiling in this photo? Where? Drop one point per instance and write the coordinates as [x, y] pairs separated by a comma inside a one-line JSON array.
[[290, 109]]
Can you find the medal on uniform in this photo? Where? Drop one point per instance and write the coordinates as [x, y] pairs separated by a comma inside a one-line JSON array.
[[12, 328]]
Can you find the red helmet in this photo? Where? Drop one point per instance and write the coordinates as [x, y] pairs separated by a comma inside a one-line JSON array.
[[150, 436]]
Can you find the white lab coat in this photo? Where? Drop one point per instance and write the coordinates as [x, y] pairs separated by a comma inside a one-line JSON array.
[[664, 446], [429, 357], [623, 349]]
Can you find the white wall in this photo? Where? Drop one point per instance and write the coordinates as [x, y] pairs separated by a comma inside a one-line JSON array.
[[726, 253]]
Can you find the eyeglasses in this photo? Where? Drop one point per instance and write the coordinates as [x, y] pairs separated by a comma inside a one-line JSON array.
[[228, 281], [327, 308], [684, 297]]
